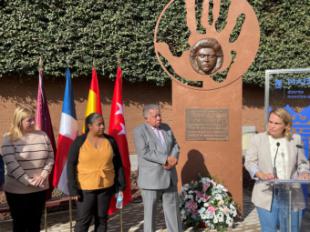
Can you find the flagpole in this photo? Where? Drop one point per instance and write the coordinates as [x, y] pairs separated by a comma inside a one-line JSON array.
[[70, 213], [45, 219], [40, 63], [119, 60], [121, 219]]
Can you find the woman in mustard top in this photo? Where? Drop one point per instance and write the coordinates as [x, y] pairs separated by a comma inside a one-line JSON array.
[[95, 174]]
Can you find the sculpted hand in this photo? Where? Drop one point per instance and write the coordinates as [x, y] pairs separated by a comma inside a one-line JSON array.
[[264, 176], [238, 11]]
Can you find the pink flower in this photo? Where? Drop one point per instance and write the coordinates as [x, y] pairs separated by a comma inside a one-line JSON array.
[[211, 209], [199, 194], [191, 205], [205, 186], [225, 210]]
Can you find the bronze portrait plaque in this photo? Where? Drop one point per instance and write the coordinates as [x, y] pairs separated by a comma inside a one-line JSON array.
[[206, 56], [206, 124]]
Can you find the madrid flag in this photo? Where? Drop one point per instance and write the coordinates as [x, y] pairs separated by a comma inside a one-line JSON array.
[[117, 130], [67, 133]]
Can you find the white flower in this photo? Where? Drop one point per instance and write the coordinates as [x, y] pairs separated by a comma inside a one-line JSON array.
[[212, 209], [209, 215], [203, 213], [233, 210], [215, 219], [189, 197], [221, 188], [202, 210], [218, 197], [183, 212], [220, 216], [229, 221], [185, 187], [204, 216]]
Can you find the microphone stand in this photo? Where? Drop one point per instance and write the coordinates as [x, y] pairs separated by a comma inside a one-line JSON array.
[[274, 161]]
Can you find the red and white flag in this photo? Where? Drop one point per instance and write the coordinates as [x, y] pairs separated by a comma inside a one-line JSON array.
[[118, 131], [67, 133]]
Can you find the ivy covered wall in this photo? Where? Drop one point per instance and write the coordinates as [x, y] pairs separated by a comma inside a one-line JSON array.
[[80, 33]]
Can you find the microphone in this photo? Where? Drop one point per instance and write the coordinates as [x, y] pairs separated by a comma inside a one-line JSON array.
[[274, 161], [299, 146]]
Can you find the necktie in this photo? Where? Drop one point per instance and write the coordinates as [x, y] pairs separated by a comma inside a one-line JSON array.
[[159, 136]]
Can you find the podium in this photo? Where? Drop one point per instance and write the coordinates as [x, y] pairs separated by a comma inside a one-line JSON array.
[[292, 193]]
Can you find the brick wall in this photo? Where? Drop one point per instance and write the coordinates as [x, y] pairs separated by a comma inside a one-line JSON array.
[[15, 91]]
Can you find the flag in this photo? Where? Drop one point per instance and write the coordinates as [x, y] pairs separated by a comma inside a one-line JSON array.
[[93, 101], [118, 132], [43, 119], [68, 131]]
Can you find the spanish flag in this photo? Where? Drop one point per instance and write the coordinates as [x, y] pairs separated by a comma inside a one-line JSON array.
[[93, 102]]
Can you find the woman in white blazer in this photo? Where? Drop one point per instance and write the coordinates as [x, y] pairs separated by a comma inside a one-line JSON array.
[[276, 153]]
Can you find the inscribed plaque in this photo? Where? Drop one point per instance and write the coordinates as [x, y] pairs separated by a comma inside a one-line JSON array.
[[206, 124]]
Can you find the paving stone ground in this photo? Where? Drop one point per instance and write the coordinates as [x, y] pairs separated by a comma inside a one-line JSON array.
[[132, 216]]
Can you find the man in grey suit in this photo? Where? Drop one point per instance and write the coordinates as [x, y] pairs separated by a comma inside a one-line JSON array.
[[157, 157]]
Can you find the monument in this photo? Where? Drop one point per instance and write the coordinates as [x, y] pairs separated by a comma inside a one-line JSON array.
[[207, 122]]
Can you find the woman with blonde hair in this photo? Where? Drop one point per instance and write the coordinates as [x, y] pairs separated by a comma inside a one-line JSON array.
[[277, 154], [29, 158]]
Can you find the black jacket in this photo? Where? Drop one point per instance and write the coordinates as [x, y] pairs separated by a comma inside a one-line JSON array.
[[73, 157]]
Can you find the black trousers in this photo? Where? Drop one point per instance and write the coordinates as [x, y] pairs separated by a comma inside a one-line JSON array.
[[93, 203], [26, 210]]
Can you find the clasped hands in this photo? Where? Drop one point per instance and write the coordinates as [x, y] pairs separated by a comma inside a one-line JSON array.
[[170, 162], [37, 181]]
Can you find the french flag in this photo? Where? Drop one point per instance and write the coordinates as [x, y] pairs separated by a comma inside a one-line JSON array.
[[68, 132]]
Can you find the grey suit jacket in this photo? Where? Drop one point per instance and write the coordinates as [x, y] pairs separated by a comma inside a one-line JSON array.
[[152, 155], [258, 158]]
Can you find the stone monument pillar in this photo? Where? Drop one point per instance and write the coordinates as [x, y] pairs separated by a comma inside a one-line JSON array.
[[207, 108]]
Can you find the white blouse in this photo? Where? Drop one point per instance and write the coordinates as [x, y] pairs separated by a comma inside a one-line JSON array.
[[281, 161]]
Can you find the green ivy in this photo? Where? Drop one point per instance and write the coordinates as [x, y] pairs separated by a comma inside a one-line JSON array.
[[81, 33]]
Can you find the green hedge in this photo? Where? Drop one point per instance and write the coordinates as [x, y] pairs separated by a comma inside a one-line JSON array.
[[80, 33]]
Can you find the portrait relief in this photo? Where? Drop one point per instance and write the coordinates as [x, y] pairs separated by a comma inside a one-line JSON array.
[[228, 50], [206, 56]]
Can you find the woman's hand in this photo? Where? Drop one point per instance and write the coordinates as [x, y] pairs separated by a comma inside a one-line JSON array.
[[264, 176], [37, 181], [304, 176]]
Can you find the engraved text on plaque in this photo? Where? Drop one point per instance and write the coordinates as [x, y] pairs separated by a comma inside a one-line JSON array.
[[206, 124]]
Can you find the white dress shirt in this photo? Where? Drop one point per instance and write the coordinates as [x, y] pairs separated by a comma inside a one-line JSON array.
[[159, 135]]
